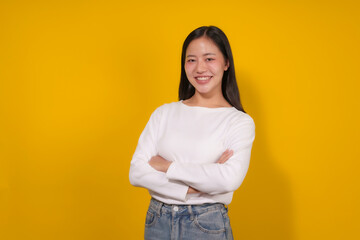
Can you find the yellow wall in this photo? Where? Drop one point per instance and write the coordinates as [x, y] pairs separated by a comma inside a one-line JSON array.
[[79, 80]]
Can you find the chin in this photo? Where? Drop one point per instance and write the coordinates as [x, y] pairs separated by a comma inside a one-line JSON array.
[[202, 91], [205, 89]]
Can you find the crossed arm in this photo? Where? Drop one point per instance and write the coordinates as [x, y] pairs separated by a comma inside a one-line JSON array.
[[162, 165], [176, 179]]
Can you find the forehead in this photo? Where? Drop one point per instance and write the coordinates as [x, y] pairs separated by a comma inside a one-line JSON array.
[[202, 45]]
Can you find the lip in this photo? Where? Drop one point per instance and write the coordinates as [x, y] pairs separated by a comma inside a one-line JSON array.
[[202, 81]]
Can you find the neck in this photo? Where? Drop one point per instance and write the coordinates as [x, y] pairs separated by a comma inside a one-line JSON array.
[[207, 100]]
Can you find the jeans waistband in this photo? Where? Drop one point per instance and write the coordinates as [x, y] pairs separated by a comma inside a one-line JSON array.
[[161, 207]]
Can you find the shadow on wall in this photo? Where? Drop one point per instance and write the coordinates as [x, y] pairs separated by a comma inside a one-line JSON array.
[[262, 206]]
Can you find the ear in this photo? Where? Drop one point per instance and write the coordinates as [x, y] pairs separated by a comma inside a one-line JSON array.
[[227, 65]]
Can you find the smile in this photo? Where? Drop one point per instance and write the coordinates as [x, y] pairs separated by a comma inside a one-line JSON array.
[[203, 78]]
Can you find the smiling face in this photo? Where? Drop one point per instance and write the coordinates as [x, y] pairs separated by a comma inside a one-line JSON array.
[[205, 66]]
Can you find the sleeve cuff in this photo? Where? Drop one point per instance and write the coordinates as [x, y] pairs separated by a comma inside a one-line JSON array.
[[181, 192]]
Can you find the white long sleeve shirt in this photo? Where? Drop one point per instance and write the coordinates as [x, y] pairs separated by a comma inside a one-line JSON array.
[[193, 138]]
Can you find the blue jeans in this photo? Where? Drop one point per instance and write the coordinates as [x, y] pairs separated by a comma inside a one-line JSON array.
[[187, 222]]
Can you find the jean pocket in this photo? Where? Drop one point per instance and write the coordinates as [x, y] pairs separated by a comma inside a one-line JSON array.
[[210, 222], [150, 218]]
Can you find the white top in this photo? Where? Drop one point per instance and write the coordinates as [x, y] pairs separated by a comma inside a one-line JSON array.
[[193, 138]]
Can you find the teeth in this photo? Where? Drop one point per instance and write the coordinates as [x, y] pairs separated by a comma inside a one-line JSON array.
[[203, 78]]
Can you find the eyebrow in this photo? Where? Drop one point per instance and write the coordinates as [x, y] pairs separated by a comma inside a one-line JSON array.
[[206, 54]]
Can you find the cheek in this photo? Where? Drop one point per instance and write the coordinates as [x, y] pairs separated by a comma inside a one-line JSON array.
[[216, 68], [188, 68], [212, 67]]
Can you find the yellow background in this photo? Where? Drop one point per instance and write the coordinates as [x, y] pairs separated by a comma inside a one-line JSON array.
[[79, 80]]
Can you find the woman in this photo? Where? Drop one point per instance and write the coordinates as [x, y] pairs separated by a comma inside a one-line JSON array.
[[194, 153]]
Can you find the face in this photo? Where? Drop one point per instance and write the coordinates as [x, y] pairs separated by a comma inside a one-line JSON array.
[[205, 66]]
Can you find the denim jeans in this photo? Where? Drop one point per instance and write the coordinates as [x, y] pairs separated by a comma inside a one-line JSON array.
[[187, 222]]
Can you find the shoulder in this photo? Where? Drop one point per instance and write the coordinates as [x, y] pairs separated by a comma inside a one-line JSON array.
[[164, 108], [241, 124], [241, 129], [240, 118], [167, 106]]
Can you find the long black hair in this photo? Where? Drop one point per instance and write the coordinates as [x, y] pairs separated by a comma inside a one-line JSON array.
[[229, 85]]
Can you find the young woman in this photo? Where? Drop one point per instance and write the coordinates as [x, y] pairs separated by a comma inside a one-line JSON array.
[[194, 153]]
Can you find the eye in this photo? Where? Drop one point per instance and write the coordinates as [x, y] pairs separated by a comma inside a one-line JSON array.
[[210, 59], [191, 60]]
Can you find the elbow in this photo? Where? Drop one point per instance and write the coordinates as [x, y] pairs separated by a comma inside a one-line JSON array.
[[135, 175], [233, 177], [135, 182], [138, 175], [231, 187], [133, 179], [232, 184]]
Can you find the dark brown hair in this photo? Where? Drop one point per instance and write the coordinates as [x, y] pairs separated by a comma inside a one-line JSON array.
[[229, 85]]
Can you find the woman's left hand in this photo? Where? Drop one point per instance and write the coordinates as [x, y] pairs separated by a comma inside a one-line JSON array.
[[159, 163]]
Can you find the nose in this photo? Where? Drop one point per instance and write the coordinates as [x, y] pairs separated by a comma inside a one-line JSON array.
[[201, 66]]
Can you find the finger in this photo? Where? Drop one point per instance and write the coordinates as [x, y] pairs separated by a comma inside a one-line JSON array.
[[229, 155], [225, 156]]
